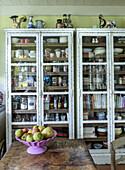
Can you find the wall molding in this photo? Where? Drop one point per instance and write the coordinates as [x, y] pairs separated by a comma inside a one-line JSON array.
[[60, 10]]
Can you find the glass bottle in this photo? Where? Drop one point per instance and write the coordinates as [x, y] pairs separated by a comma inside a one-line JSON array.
[[55, 102], [59, 103], [65, 102], [59, 23], [47, 103]]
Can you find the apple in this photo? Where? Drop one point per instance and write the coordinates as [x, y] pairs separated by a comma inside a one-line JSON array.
[[24, 136], [41, 128], [47, 132], [19, 133], [30, 131], [29, 138], [35, 130], [35, 126], [25, 130], [38, 136]]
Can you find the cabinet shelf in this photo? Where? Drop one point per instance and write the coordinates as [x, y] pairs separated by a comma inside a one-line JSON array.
[[24, 45], [119, 72], [94, 44], [24, 88], [119, 55], [20, 111], [119, 45], [24, 60], [95, 110], [95, 56], [57, 125], [87, 72], [121, 86], [56, 73], [56, 111], [120, 110], [55, 44], [51, 88], [55, 59], [94, 124], [99, 138], [24, 73]]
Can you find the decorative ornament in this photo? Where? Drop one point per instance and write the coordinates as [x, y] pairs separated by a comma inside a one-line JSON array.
[[102, 21]]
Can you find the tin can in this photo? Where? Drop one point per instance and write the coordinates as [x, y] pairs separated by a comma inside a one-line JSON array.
[[54, 81], [47, 80], [60, 81]]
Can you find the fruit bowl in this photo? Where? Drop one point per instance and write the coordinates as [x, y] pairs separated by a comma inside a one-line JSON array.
[[37, 147]]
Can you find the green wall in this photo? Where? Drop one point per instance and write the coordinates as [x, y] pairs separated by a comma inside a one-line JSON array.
[[78, 22]]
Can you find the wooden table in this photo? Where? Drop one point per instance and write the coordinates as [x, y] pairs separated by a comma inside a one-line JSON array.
[[61, 154]]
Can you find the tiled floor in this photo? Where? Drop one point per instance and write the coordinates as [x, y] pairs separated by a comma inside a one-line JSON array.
[[108, 167]]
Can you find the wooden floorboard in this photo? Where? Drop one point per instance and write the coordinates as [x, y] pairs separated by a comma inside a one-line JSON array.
[[108, 167]]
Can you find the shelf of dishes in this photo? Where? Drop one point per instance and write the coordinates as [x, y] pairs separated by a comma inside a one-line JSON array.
[[56, 55], [95, 134], [94, 115]]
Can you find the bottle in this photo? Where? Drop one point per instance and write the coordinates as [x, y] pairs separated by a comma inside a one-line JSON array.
[[47, 102], [62, 104], [65, 102], [57, 117], [59, 23], [55, 102], [59, 103], [24, 103], [60, 81]]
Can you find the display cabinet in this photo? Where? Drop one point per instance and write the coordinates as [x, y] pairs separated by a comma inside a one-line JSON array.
[[39, 80], [93, 91], [100, 90], [57, 81]]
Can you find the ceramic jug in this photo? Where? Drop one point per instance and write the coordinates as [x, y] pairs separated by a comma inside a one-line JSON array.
[[40, 24]]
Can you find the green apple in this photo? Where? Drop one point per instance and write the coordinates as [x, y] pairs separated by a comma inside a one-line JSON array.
[[47, 132], [35, 126], [38, 136], [19, 133], [41, 128], [23, 137], [29, 138]]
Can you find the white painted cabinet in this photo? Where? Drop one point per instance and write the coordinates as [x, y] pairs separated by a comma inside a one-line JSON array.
[[100, 89], [39, 80]]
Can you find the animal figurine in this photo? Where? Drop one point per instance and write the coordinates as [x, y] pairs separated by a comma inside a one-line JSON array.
[[109, 24], [114, 24], [102, 20]]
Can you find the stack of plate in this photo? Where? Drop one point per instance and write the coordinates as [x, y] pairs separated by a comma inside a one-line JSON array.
[[118, 50], [99, 50], [52, 40]]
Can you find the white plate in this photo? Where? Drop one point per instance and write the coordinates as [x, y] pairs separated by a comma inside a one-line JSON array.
[[118, 50]]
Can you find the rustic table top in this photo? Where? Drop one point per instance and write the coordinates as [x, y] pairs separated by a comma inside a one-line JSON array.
[[60, 154]]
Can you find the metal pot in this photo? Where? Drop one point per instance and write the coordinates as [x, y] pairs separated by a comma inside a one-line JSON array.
[[40, 24]]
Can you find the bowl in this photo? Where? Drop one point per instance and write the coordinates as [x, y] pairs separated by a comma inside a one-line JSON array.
[[102, 130], [97, 145], [105, 144], [118, 50], [15, 40], [99, 50], [63, 39], [37, 147]]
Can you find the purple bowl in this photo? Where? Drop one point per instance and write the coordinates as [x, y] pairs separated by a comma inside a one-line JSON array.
[[37, 147]]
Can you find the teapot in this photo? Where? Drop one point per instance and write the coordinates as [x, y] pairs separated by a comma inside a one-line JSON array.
[[40, 24]]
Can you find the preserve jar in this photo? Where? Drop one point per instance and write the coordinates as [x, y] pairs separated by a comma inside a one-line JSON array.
[[59, 23]]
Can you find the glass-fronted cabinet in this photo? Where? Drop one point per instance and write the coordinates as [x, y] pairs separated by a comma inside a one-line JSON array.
[[93, 116], [22, 65], [57, 81], [118, 85], [39, 80]]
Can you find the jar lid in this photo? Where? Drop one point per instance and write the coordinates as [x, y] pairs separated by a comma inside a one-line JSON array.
[[59, 20]]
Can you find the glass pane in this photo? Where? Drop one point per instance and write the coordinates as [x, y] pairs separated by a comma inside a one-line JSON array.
[[23, 50], [23, 79], [55, 49], [94, 49], [56, 108], [24, 108], [119, 45], [56, 78], [119, 77], [94, 107], [98, 134], [94, 78]]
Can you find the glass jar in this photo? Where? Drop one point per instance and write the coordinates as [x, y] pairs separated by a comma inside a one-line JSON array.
[[59, 23], [24, 103]]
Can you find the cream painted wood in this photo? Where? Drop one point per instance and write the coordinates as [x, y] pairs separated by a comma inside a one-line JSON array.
[[38, 33]]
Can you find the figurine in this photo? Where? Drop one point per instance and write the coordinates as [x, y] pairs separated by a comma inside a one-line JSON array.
[[30, 22], [114, 24], [17, 24], [102, 20], [109, 24], [69, 25]]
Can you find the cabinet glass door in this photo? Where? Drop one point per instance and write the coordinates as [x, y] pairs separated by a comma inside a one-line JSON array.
[[119, 85], [56, 83], [24, 81], [94, 87]]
